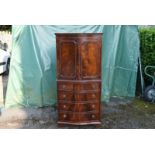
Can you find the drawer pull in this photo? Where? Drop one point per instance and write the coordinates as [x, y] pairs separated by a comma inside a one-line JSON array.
[[93, 106], [93, 95], [63, 86], [94, 86], [64, 106], [93, 116], [64, 115], [64, 96]]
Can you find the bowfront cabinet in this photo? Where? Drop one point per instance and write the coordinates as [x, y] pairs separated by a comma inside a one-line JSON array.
[[79, 77]]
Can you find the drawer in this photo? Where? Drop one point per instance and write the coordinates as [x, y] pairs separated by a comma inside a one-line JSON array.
[[89, 107], [66, 96], [76, 97], [78, 117], [68, 107], [79, 107], [95, 96], [87, 117], [68, 117], [83, 86], [95, 86], [65, 86]]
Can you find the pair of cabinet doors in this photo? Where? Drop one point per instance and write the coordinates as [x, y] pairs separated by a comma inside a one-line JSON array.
[[79, 59]]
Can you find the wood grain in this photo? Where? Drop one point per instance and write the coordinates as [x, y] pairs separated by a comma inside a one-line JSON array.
[[79, 78]]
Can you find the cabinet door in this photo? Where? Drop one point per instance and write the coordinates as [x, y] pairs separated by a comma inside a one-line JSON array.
[[67, 55], [90, 60]]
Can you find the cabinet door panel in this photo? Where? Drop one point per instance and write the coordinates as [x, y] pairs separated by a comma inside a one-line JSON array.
[[67, 60], [90, 60]]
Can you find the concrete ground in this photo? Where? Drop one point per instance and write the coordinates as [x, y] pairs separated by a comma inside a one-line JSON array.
[[118, 114]]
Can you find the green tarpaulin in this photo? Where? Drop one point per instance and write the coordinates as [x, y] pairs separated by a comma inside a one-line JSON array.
[[32, 79]]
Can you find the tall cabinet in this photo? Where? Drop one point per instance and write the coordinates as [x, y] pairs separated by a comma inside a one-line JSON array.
[[79, 78]]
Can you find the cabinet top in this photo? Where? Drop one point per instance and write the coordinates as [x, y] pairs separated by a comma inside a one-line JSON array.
[[78, 34]]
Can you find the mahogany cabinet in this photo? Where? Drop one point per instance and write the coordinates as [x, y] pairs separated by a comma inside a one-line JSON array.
[[79, 77]]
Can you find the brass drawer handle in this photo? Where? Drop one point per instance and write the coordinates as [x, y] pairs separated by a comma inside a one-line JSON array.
[[94, 86], [93, 95], [64, 106], [93, 116], [64, 96], [93, 106], [63, 86], [64, 115]]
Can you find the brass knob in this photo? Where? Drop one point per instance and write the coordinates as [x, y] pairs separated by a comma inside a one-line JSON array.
[[94, 86], [63, 86], [93, 106], [93, 116], [64, 95], [65, 116], [93, 95], [64, 106]]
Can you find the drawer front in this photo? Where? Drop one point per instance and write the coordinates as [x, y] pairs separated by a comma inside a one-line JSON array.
[[88, 117], [78, 117], [95, 96], [76, 97], [83, 86], [68, 107], [93, 86], [79, 107], [66, 96], [68, 117], [89, 107], [66, 86]]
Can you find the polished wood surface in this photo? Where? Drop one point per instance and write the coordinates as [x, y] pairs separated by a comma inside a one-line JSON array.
[[79, 77]]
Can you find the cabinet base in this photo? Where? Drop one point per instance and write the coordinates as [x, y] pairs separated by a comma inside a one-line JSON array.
[[83, 123]]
